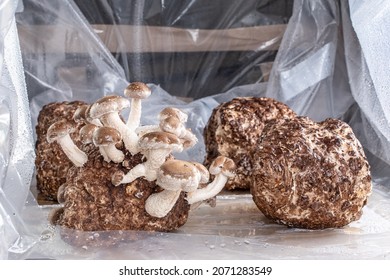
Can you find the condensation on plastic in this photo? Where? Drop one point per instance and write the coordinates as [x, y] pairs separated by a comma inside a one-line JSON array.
[[371, 85], [319, 37], [16, 142]]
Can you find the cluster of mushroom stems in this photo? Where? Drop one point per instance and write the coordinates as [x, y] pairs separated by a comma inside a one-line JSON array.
[[105, 128]]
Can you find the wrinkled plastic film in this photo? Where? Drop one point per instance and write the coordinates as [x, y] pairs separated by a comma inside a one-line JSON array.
[[309, 72], [17, 152], [192, 49], [235, 228], [371, 84]]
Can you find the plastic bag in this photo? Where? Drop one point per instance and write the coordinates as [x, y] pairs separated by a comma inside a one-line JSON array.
[[321, 71], [16, 142], [193, 48], [69, 61]]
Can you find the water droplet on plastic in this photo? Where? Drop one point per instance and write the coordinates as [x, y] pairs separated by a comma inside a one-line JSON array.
[[46, 235]]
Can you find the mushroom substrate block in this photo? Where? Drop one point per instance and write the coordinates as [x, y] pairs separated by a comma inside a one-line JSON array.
[[310, 175], [51, 162], [233, 130]]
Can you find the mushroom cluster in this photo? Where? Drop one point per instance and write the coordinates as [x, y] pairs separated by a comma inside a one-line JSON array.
[[124, 175]]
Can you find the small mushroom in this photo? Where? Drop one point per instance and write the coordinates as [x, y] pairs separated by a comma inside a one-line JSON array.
[[136, 91], [91, 120], [173, 112], [156, 147], [86, 137], [205, 174], [172, 124], [223, 169], [79, 114], [106, 138], [173, 176], [107, 110], [59, 131]]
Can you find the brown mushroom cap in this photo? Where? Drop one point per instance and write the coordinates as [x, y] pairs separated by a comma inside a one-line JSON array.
[[108, 104], [104, 136], [178, 175], [86, 133], [173, 112], [159, 140], [80, 113], [170, 124], [205, 174], [59, 129], [223, 165], [137, 90]]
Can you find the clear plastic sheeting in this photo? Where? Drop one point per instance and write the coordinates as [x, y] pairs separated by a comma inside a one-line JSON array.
[[235, 229], [370, 87], [192, 48], [16, 141], [322, 69]]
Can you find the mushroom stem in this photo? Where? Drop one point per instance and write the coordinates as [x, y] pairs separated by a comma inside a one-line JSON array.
[[104, 154], [114, 154], [148, 169], [75, 155], [137, 171], [134, 118], [130, 138], [211, 190], [159, 204], [223, 169]]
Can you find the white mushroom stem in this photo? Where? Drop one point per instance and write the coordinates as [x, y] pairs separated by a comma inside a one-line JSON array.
[[104, 154], [148, 169], [113, 153], [75, 155], [211, 190], [130, 138], [134, 118], [159, 204]]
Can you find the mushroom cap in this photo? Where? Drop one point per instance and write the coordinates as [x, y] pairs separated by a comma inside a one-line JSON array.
[[223, 165], [170, 124], [108, 104], [178, 175], [80, 113], [160, 140], [173, 112], [204, 173], [104, 136], [88, 117], [59, 129], [137, 90], [86, 133]]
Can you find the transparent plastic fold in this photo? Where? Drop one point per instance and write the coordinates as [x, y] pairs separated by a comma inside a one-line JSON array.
[[16, 141], [319, 62]]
